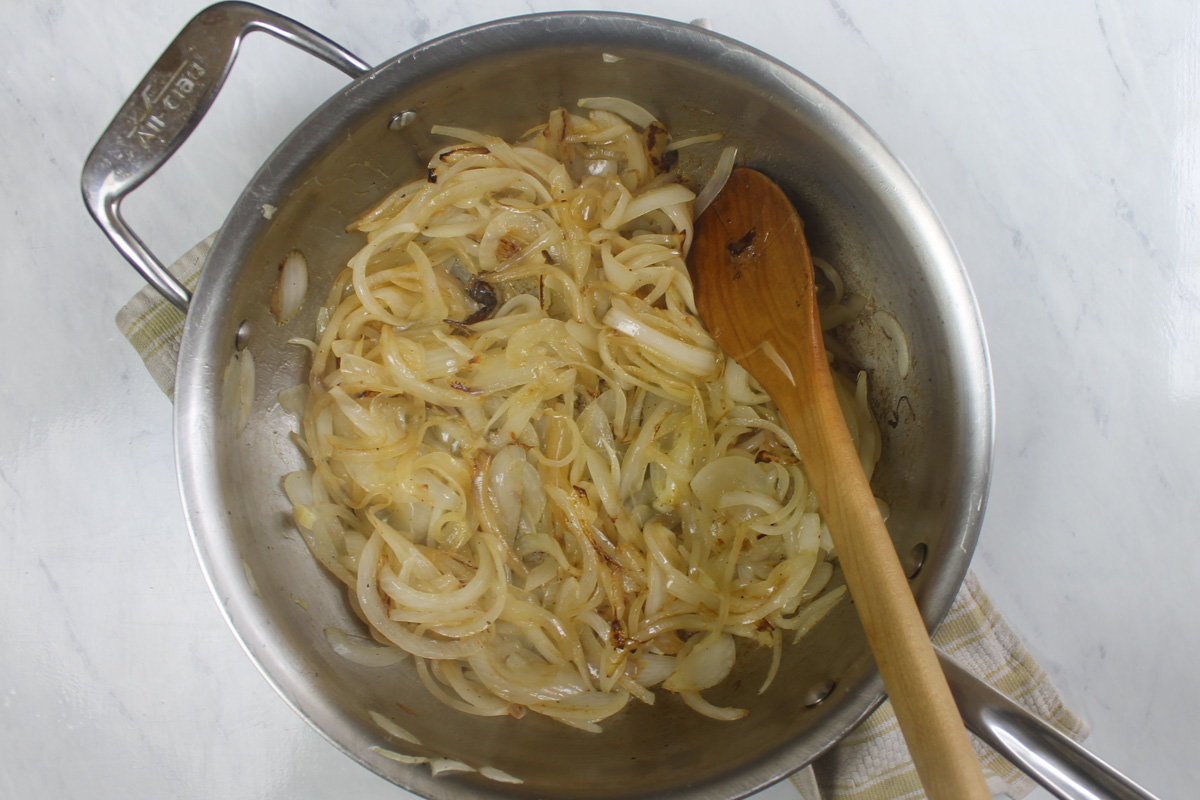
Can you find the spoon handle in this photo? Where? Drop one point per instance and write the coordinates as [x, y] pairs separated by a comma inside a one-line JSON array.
[[925, 709]]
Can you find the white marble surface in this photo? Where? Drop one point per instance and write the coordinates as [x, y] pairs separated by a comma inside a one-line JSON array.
[[1059, 142]]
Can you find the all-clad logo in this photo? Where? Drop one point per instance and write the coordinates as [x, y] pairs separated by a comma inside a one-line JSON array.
[[160, 100]]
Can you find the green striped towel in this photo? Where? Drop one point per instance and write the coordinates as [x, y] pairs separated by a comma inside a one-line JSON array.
[[154, 327], [872, 763]]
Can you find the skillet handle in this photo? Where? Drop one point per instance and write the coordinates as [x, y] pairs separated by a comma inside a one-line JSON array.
[[168, 105], [1051, 758]]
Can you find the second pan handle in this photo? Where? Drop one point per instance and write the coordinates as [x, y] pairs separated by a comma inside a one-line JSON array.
[[1051, 758], [167, 106]]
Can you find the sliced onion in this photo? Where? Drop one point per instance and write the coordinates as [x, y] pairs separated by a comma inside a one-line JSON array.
[[717, 181], [237, 389], [498, 775], [291, 287], [815, 611], [652, 200], [891, 326], [293, 398], [843, 312], [653, 669], [619, 105], [437, 766], [307, 344], [250, 579], [691, 140], [704, 665], [245, 396], [364, 655], [776, 659], [298, 487], [403, 758], [730, 474], [515, 486], [386, 724], [702, 706], [696, 360], [770, 352], [833, 276]]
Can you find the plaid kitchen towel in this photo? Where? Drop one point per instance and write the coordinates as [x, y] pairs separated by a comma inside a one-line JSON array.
[[154, 327], [872, 763]]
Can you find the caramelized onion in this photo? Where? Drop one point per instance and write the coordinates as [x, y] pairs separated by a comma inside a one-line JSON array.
[[532, 466]]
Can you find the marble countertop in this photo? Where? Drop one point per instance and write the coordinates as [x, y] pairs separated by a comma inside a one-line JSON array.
[[1059, 143]]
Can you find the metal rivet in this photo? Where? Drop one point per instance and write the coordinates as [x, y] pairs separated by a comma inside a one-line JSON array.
[[242, 337], [916, 560], [817, 694], [402, 120]]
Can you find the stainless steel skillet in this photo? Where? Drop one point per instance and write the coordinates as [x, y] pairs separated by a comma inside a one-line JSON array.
[[864, 212]]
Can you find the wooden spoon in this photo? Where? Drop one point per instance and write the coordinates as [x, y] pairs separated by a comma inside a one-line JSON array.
[[753, 279]]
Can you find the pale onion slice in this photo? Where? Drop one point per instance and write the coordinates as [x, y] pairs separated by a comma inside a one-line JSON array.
[[691, 140], [696, 360], [702, 666], [843, 312], [833, 276], [250, 579], [403, 758], [293, 398], [651, 200], [364, 655], [386, 724], [237, 389], [815, 611], [653, 669], [619, 105], [498, 775], [770, 352], [437, 766], [729, 474], [298, 487], [291, 287], [702, 706], [891, 326], [776, 658], [717, 182]]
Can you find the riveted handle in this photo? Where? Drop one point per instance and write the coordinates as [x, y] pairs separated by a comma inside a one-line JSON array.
[[1065, 769], [167, 106]]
